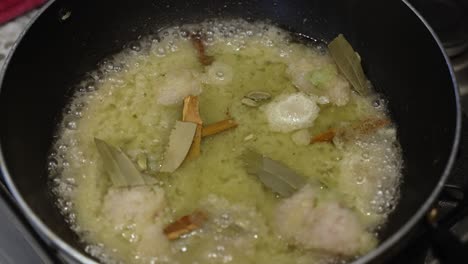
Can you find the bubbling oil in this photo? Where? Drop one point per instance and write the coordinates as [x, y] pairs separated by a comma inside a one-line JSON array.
[[118, 102]]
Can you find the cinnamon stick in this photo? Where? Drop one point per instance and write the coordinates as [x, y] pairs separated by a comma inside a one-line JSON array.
[[191, 113], [326, 136], [370, 125], [364, 127], [185, 225], [218, 127], [200, 47]]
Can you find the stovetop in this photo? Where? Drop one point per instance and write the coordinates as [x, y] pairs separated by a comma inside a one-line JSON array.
[[449, 19], [18, 244]]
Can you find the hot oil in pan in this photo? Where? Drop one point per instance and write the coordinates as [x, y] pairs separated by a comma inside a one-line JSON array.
[[132, 102]]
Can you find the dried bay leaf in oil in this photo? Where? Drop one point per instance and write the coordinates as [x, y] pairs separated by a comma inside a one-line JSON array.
[[349, 64], [273, 174], [118, 166], [180, 141]]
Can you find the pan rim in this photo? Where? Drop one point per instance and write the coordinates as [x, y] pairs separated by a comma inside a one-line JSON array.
[[56, 241]]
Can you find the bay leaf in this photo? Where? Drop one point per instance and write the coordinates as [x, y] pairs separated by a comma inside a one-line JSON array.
[[180, 141], [118, 166], [273, 174], [349, 64]]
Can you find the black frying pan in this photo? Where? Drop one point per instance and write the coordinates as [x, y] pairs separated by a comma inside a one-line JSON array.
[[401, 56]]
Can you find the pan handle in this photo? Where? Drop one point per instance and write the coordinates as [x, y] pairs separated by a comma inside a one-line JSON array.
[[452, 207], [445, 245]]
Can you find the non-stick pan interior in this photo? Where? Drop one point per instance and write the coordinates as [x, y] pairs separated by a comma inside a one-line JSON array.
[[399, 55]]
